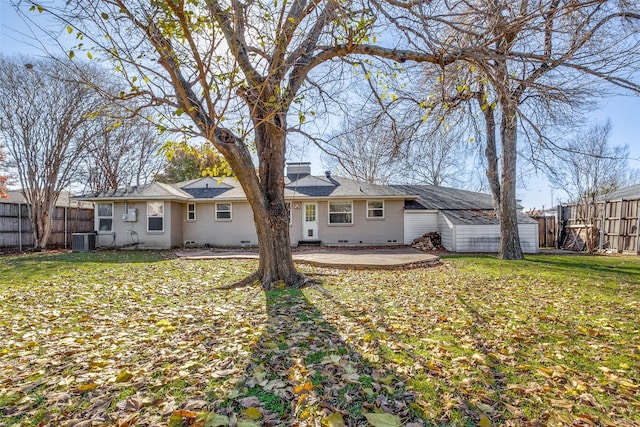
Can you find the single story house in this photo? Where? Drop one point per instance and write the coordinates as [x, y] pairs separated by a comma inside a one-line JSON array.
[[325, 209]]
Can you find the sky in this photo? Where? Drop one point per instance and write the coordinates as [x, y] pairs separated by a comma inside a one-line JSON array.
[[534, 192]]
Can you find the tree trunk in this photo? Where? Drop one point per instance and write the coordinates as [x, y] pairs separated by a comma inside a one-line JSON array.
[[41, 226], [503, 183], [265, 194], [507, 211], [39, 213], [491, 151]]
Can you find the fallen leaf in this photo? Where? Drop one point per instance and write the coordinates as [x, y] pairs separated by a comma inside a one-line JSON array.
[[306, 387], [485, 408], [334, 420], [222, 373], [629, 384], [129, 421], [561, 403], [216, 420], [250, 401], [516, 412], [253, 413], [87, 387], [124, 376], [383, 420], [485, 421]]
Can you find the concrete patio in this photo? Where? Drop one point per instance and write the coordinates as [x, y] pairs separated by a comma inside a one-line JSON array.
[[397, 257]]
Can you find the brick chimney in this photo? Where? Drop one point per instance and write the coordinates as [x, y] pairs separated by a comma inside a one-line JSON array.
[[298, 170]]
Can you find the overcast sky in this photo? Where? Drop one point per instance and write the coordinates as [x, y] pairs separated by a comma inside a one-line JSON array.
[[623, 111]]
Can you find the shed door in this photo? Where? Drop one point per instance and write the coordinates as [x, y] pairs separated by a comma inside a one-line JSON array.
[[310, 221]]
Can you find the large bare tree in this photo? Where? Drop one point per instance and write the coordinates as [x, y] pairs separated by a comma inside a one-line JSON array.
[[237, 71], [519, 65], [123, 152], [44, 122], [366, 148], [381, 147], [587, 167]]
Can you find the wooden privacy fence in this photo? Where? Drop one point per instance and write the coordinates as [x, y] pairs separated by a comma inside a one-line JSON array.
[[612, 226], [16, 229], [547, 231]]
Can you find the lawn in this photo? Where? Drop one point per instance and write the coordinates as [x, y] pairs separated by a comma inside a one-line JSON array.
[[142, 338]]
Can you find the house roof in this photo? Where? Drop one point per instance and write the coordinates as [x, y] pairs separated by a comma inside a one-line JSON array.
[[461, 206], [632, 192], [480, 217], [64, 200], [304, 186], [151, 191], [340, 187], [442, 198]]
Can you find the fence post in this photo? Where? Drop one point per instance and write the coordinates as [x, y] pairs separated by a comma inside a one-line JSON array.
[[602, 225], [638, 227], [65, 227], [20, 226]]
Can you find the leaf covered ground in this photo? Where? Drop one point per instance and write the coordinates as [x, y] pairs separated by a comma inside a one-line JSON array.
[[142, 339]]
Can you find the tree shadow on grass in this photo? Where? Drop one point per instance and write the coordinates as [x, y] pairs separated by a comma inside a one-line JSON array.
[[302, 372], [441, 399]]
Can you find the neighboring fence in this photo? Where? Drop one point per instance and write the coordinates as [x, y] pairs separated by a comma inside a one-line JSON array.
[[612, 226], [16, 229], [547, 231]]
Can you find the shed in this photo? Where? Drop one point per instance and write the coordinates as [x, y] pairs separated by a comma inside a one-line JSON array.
[[465, 219]]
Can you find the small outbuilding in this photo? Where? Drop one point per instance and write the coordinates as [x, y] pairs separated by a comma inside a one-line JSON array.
[[466, 220]]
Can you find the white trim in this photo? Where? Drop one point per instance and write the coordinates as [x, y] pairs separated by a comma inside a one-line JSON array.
[[310, 229], [350, 202], [230, 210], [189, 211], [98, 217], [155, 216], [375, 209]]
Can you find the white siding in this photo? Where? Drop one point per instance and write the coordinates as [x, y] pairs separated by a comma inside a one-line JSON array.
[[447, 233], [529, 238], [477, 238], [417, 223], [486, 238]]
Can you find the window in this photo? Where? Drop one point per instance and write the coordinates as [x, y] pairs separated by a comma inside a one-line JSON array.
[[375, 209], [155, 216], [223, 211], [105, 217], [191, 211], [340, 213], [310, 213]]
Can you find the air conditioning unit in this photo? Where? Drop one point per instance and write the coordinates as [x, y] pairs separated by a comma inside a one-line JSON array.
[[131, 215], [83, 242]]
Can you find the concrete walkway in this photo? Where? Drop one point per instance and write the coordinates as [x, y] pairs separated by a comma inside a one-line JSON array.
[[403, 257]]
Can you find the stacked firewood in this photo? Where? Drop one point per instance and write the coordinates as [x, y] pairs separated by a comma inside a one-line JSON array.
[[428, 242]]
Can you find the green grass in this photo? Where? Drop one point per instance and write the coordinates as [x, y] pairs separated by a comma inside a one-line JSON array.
[[122, 336]]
